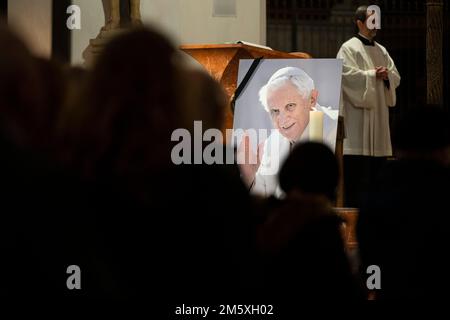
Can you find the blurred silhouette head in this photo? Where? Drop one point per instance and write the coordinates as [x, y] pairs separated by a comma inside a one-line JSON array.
[[203, 99], [423, 133], [25, 84], [310, 168], [54, 91], [124, 125]]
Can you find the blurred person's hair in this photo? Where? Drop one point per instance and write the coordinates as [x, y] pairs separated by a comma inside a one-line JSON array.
[[203, 99], [54, 91], [75, 78], [23, 100], [310, 168], [123, 124]]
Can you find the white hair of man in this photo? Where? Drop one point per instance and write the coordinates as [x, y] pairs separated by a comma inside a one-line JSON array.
[[299, 78]]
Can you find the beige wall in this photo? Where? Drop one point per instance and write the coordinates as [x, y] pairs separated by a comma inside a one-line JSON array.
[[185, 21], [32, 21], [199, 26]]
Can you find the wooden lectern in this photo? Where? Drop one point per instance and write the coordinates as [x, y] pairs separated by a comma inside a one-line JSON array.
[[222, 62]]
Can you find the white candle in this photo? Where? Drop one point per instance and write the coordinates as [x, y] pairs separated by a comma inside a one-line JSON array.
[[316, 126]]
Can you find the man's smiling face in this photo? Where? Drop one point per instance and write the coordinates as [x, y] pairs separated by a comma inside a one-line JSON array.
[[289, 110]]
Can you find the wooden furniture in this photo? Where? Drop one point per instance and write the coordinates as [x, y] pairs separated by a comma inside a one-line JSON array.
[[222, 62], [350, 216]]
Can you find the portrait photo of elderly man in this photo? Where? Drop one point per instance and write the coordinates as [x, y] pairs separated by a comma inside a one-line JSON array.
[[289, 97]]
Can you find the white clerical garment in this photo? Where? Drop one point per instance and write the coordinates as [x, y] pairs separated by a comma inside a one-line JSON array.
[[277, 148], [365, 99]]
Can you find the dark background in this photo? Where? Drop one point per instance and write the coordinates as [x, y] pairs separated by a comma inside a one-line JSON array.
[[320, 28], [3, 8], [61, 36]]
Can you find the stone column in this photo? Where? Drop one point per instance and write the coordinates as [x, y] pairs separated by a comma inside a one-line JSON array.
[[434, 51]]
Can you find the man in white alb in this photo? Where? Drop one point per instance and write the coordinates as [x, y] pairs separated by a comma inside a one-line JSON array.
[[369, 81]]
